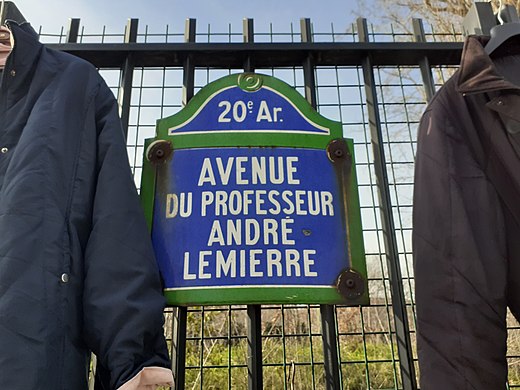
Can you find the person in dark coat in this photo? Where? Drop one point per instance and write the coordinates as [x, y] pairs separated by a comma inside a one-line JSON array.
[[466, 230], [77, 270]]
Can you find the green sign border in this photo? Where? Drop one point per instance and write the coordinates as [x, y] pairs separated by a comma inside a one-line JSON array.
[[261, 295]]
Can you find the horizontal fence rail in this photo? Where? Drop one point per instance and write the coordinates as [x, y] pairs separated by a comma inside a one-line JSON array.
[[233, 55]]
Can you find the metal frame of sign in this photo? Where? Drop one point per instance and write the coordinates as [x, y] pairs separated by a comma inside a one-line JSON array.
[[350, 287]]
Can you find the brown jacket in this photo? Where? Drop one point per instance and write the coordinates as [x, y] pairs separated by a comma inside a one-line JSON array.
[[466, 234]]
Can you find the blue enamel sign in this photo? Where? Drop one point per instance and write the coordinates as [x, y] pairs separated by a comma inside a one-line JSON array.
[[254, 200]]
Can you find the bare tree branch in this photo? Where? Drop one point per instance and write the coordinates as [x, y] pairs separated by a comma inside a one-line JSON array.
[[441, 14]]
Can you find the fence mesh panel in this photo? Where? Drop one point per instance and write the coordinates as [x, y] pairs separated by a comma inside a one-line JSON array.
[[292, 346]]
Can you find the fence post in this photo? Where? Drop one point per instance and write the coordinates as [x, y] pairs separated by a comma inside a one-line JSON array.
[[424, 64], [189, 69], [480, 19], [73, 31], [178, 354], [127, 76], [404, 345], [254, 312], [181, 315], [328, 317], [249, 37]]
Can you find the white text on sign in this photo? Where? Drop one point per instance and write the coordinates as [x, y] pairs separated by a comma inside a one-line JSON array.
[[239, 111], [257, 237]]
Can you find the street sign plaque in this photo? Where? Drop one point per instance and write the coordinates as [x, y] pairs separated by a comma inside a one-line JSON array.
[[251, 197]]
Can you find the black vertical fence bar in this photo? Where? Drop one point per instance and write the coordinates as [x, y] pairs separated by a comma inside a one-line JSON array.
[[180, 319], [181, 315], [328, 317], [254, 312], [254, 347], [308, 66], [249, 37], [73, 31], [424, 63], [402, 328], [127, 76], [189, 69]]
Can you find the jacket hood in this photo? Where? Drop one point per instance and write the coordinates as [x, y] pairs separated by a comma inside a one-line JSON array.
[[477, 73], [25, 54]]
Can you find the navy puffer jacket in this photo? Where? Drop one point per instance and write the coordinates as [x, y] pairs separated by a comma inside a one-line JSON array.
[[77, 271]]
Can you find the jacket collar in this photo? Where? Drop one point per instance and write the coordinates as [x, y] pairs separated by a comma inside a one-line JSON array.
[[477, 73], [20, 64]]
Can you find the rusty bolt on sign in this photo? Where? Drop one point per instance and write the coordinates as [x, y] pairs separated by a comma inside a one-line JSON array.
[[159, 151], [337, 151], [350, 284]]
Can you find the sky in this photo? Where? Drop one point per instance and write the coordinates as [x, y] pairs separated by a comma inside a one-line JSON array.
[[52, 14]]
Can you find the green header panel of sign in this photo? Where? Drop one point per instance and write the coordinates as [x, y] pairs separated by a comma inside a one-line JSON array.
[[251, 198]]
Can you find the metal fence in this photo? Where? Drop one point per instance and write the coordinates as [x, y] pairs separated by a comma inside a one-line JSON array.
[[376, 81]]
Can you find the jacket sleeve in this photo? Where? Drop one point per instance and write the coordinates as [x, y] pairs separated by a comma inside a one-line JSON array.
[[122, 298], [148, 379]]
